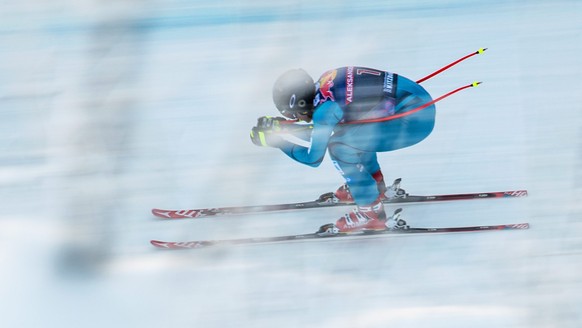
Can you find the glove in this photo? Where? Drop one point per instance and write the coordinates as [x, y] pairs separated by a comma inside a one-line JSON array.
[[265, 134], [265, 138], [270, 123]]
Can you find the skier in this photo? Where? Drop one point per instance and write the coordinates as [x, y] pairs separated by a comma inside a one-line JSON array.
[[334, 105]]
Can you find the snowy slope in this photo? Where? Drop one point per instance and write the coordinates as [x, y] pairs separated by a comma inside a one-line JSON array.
[[108, 111]]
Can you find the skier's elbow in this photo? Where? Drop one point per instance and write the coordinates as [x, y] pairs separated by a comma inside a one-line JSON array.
[[313, 164]]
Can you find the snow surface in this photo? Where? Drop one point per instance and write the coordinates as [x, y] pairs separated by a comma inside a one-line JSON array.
[[108, 110]]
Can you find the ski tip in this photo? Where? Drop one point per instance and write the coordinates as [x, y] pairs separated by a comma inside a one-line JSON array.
[[159, 244], [481, 50], [180, 245], [164, 214], [475, 84]]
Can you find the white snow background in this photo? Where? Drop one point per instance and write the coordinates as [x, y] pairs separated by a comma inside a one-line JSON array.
[[108, 109]]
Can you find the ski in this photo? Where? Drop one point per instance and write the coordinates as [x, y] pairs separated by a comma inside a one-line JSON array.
[[326, 202], [316, 236]]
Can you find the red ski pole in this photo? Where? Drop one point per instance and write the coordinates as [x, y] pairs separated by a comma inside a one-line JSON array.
[[480, 51], [419, 108]]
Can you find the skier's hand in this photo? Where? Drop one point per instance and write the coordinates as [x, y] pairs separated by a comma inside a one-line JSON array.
[[265, 134], [265, 137], [270, 123]]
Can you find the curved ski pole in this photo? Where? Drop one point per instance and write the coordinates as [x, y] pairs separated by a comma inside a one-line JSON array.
[[419, 108], [480, 51]]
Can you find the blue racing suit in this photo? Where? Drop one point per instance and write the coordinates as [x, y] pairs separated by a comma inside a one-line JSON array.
[[350, 94]]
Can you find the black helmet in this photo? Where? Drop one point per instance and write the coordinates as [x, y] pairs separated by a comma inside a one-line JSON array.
[[293, 93]]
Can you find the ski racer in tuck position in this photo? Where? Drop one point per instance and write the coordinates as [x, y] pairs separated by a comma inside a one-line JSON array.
[[333, 106]]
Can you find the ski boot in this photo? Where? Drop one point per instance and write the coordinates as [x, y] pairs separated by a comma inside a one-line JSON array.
[[370, 218], [394, 222], [341, 195]]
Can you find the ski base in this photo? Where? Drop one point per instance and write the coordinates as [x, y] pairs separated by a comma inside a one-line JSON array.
[[312, 236]]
